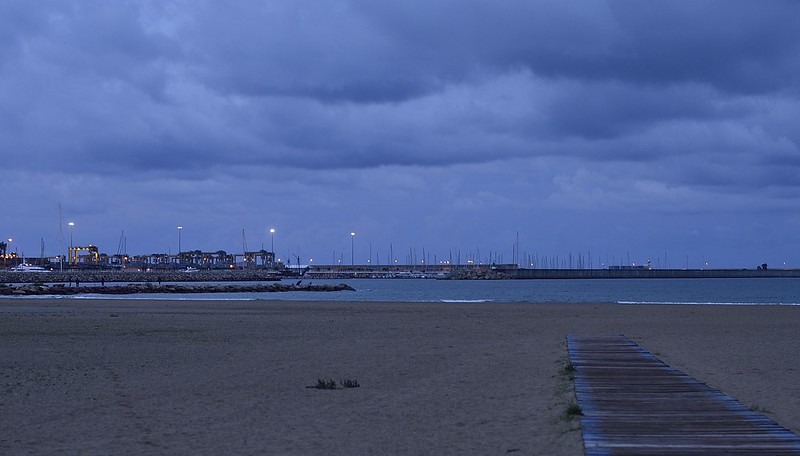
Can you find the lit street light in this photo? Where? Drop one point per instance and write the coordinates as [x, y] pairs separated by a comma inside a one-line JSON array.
[[71, 225], [180, 228], [8, 251], [272, 243], [352, 249], [272, 237]]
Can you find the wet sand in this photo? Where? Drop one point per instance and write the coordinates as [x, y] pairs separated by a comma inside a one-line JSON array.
[[209, 377]]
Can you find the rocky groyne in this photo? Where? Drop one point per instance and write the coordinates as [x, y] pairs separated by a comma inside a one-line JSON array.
[[133, 275], [480, 274], [137, 288]]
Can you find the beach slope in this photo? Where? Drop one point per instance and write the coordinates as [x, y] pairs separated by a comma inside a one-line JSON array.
[[208, 377]]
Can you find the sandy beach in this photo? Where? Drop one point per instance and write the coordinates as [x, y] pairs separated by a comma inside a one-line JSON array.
[[212, 377]]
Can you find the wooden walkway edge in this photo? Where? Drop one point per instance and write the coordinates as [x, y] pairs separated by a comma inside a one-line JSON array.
[[633, 403]]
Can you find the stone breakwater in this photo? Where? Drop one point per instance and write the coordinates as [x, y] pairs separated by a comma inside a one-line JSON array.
[[155, 276], [61, 290]]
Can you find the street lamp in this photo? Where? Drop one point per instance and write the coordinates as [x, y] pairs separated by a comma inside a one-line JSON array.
[[71, 225], [272, 243], [180, 228], [272, 239], [352, 249]]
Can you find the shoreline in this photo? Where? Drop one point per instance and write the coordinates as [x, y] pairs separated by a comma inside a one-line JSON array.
[[148, 288], [154, 376], [364, 272], [212, 294]]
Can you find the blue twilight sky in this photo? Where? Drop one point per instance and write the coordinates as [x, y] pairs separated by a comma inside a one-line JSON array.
[[624, 129]]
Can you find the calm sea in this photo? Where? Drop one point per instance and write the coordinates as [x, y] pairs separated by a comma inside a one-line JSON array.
[[776, 291]]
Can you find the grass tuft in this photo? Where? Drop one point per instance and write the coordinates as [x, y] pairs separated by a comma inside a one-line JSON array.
[[573, 410], [325, 384], [569, 370], [349, 383]]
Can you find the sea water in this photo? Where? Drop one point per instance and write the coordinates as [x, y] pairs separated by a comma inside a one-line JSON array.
[[772, 291]]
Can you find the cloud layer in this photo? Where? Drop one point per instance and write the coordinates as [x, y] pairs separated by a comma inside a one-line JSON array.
[[443, 125]]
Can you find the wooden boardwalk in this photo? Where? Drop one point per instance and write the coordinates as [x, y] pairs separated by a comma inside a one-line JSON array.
[[633, 403]]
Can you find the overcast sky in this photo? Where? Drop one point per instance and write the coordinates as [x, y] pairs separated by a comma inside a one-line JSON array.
[[629, 130]]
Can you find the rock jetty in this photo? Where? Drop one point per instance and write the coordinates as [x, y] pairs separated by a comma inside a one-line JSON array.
[[134, 288], [135, 275], [480, 274]]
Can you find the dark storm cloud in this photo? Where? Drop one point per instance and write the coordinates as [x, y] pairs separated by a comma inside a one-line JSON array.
[[365, 84], [608, 110], [390, 51], [325, 51], [602, 71], [734, 46]]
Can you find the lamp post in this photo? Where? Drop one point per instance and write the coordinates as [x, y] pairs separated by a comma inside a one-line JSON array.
[[7, 252], [272, 239], [71, 225], [180, 228], [352, 249], [272, 243]]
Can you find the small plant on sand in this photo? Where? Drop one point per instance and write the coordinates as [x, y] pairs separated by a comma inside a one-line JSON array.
[[325, 384], [574, 410], [349, 383], [330, 384], [569, 370]]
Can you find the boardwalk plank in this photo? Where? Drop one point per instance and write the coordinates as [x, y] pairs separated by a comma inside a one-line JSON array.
[[633, 403]]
